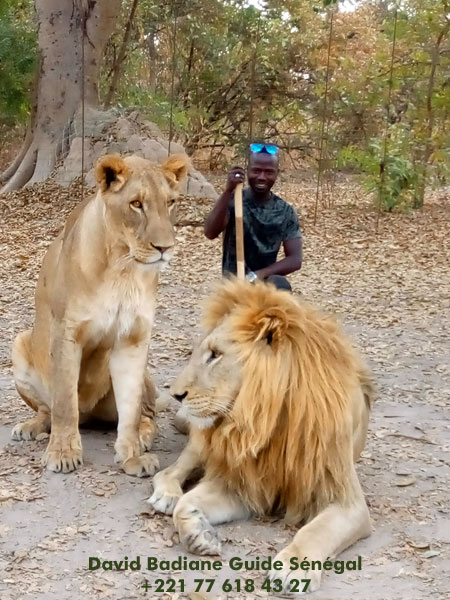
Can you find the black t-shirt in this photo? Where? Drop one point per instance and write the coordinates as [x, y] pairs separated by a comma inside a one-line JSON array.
[[266, 226]]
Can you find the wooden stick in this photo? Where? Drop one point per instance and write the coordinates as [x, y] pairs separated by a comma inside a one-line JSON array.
[[240, 261]]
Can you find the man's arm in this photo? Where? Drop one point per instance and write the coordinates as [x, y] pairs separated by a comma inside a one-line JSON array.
[[292, 262], [218, 218]]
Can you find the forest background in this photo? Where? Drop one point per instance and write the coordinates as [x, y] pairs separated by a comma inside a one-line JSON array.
[[360, 85]]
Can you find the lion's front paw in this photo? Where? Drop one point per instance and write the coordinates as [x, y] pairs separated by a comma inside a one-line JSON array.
[[63, 456], [205, 541], [166, 493], [141, 466], [291, 583], [181, 421], [197, 534], [164, 502]]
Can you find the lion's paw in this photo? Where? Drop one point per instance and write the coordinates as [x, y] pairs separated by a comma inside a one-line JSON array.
[[197, 534], [291, 583], [181, 421], [63, 457], [164, 502], [141, 466], [205, 542]]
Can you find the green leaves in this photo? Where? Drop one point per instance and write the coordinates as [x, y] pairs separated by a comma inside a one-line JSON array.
[[389, 175], [230, 55], [17, 60]]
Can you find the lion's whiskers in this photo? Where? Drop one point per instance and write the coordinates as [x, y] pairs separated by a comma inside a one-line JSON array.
[[219, 405]]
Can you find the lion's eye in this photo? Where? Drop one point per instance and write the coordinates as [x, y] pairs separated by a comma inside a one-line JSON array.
[[213, 355], [136, 204]]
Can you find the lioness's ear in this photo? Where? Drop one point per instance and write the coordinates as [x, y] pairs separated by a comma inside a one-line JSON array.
[[175, 168], [111, 172]]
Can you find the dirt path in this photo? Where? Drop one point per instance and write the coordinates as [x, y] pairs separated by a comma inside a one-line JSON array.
[[392, 292]]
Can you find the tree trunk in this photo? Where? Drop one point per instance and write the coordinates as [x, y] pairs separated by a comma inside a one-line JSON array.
[[419, 192], [121, 57], [187, 78], [153, 55], [59, 85]]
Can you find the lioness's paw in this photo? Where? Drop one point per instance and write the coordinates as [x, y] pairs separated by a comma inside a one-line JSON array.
[[141, 466], [164, 502], [31, 428], [146, 437], [24, 431], [287, 583], [63, 457]]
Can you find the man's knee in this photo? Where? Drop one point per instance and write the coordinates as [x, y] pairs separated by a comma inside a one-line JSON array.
[[279, 282]]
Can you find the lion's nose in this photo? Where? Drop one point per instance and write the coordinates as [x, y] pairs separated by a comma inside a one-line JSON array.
[[162, 249], [180, 397]]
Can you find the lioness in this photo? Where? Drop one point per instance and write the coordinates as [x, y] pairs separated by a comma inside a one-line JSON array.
[[95, 298], [278, 403]]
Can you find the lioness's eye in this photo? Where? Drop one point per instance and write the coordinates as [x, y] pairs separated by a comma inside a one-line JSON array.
[[136, 204]]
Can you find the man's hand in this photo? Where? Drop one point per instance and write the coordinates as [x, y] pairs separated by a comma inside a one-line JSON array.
[[292, 261], [217, 219], [235, 176], [262, 274]]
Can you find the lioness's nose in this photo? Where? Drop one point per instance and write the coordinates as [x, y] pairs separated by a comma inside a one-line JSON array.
[[180, 397]]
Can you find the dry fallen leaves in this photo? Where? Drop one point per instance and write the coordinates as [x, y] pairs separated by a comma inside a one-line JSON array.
[[392, 290]]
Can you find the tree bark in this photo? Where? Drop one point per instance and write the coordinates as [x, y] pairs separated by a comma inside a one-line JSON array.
[[187, 79], [419, 192], [153, 54], [59, 86], [121, 56]]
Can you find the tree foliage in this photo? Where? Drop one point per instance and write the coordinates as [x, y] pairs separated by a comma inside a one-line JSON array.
[[17, 59], [221, 71]]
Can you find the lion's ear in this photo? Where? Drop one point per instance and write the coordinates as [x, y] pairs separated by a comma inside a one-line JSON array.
[[175, 169], [111, 172], [271, 326]]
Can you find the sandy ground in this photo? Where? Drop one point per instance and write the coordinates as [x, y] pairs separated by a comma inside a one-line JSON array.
[[392, 292]]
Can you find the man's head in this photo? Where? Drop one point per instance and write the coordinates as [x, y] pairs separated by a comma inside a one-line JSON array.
[[262, 172]]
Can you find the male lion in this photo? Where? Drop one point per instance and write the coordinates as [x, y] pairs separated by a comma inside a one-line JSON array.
[[95, 298], [278, 403]]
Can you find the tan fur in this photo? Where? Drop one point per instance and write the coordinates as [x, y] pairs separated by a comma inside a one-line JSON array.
[[86, 354], [278, 401]]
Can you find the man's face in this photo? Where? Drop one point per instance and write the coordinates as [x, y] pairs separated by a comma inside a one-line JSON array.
[[262, 172]]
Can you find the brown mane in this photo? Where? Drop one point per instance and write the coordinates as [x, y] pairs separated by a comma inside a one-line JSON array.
[[288, 441]]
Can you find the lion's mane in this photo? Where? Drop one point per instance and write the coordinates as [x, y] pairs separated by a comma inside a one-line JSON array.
[[287, 443]]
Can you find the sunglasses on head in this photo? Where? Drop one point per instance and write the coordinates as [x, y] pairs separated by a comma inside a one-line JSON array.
[[269, 148]]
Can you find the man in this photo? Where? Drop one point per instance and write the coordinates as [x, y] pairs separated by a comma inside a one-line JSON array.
[[268, 221]]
